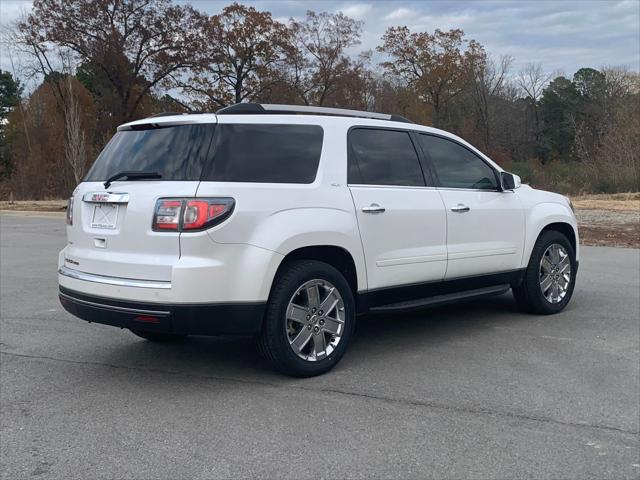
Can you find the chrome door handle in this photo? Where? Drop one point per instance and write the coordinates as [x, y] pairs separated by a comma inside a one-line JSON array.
[[460, 208], [373, 208]]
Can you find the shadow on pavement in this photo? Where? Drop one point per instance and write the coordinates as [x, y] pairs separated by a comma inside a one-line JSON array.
[[387, 335]]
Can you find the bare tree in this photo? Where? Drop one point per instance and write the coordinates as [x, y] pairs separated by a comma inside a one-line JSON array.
[[488, 81], [74, 136], [317, 61], [532, 79]]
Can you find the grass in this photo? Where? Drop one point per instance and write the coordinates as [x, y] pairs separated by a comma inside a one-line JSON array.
[[614, 201], [34, 206]]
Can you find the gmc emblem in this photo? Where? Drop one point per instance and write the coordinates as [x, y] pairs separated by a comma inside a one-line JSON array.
[[100, 197]]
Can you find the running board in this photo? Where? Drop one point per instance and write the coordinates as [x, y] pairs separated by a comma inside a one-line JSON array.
[[442, 299]]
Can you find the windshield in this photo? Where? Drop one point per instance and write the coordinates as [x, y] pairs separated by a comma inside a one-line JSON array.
[[175, 152]]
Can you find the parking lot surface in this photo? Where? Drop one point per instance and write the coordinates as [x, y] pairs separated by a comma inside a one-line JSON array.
[[476, 390]]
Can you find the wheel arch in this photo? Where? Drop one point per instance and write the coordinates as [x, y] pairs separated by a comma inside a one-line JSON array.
[[565, 228], [336, 256], [554, 217]]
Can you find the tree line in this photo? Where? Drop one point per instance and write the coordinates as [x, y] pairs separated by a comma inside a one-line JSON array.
[[106, 62]]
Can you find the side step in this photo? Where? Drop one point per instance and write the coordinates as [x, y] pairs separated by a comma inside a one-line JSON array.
[[442, 299]]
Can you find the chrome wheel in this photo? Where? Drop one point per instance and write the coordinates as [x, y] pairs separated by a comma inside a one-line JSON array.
[[315, 320], [555, 273]]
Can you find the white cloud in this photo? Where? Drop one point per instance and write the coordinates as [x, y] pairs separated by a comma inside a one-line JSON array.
[[357, 10], [562, 34], [399, 14], [282, 19], [12, 10]]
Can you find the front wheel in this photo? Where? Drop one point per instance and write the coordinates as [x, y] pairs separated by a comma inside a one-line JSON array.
[[550, 277], [309, 320]]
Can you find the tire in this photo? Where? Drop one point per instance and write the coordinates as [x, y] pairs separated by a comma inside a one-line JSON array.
[[529, 294], [158, 337], [295, 328]]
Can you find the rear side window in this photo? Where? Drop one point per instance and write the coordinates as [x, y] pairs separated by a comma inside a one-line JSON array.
[[383, 157], [175, 152], [456, 166], [265, 153]]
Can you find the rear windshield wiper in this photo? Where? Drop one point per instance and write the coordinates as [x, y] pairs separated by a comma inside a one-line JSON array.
[[131, 175]]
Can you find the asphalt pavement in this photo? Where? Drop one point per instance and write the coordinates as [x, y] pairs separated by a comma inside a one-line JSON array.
[[476, 390]]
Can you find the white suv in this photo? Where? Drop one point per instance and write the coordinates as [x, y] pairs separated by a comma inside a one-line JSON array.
[[286, 222]]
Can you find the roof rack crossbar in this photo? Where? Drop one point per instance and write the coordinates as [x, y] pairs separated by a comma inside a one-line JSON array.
[[266, 108]]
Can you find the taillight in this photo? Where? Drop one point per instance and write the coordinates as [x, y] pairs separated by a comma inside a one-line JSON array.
[[167, 214], [186, 214], [70, 211]]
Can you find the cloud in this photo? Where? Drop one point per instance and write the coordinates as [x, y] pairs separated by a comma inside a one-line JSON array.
[[357, 10], [562, 34], [12, 10], [282, 19], [401, 13]]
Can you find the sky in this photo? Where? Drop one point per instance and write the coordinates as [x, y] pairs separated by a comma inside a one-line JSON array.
[[562, 35]]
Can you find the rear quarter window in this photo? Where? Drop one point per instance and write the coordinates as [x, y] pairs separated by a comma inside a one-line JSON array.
[[265, 153]]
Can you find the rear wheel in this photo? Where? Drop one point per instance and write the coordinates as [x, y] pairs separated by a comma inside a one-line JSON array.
[[158, 337], [550, 277], [309, 319]]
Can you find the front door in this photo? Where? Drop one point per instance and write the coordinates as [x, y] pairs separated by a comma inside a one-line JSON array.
[[485, 226]]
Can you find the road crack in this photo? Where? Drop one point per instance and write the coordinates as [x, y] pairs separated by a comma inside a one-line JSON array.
[[382, 398]]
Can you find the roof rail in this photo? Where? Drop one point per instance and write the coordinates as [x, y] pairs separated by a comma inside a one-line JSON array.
[[271, 108], [167, 114]]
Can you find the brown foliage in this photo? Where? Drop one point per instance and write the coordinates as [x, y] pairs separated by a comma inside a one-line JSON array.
[[239, 52], [41, 170], [135, 44], [437, 66], [128, 57]]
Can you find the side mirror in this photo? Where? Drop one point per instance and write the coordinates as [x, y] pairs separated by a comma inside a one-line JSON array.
[[509, 181]]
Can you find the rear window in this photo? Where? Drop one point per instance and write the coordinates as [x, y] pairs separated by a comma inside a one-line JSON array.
[[265, 153], [175, 152]]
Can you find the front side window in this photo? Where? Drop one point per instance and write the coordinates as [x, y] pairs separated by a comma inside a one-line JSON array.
[[383, 157], [265, 153], [456, 166]]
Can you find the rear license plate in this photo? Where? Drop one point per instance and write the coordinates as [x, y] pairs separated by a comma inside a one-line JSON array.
[[104, 216]]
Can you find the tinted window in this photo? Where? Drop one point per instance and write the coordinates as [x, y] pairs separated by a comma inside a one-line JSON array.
[[383, 157], [176, 153], [456, 166], [266, 153]]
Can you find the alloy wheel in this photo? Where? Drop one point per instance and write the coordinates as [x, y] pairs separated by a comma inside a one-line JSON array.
[[555, 273], [315, 320]]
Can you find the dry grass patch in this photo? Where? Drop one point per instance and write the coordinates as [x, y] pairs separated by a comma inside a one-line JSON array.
[[616, 201], [34, 206], [611, 220]]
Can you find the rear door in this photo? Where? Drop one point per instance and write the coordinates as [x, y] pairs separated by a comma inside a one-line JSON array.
[[485, 226], [112, 231], [401, 217]]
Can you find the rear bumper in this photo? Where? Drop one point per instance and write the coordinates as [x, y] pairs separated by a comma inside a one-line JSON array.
[[215, 273], [190, 319]]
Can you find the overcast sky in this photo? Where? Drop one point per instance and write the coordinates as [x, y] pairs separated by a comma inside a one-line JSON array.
[[563, 35]]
